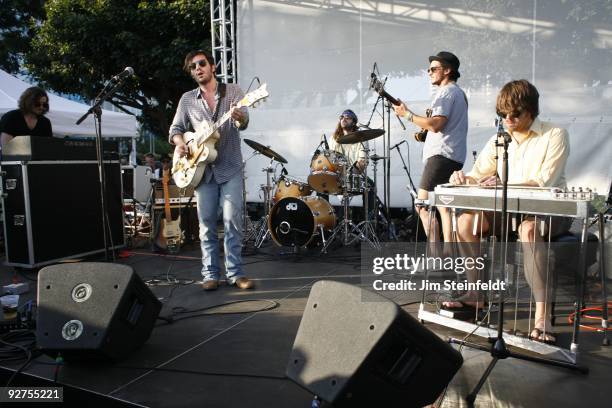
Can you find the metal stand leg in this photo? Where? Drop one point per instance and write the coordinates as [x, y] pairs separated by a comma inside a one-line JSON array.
[[602, 273]]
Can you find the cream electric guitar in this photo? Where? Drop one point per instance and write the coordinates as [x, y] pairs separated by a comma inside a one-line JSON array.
[[189, 170], [170, 235]]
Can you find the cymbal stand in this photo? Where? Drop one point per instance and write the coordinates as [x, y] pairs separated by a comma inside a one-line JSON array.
[[344, 227], [262, 232], [385, 221], [367, 233], [249, 227]]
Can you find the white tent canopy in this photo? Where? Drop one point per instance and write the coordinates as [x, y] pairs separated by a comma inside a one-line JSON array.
[[64, 113]]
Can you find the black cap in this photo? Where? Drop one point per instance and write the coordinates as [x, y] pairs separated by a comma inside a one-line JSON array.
[[447, 58]]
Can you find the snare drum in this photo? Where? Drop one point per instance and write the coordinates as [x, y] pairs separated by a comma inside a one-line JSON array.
[[326, 171], [355, 183], [290, 187], [295, 221]]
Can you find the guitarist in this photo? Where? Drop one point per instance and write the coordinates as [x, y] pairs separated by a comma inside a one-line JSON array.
[[221, 185], [445, 146]]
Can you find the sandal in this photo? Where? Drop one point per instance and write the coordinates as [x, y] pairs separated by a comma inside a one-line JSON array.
[[543, 337]]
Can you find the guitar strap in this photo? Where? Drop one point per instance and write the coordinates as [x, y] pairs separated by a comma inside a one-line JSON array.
[[221, 96], [221, 89]]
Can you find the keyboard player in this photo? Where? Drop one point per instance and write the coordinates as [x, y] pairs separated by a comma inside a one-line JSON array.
[[537, 156]]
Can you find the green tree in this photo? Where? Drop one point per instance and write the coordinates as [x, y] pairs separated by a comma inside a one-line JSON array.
[[18, 20], [82, 43]]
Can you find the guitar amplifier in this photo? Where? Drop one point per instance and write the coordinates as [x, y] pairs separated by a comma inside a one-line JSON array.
[[52, 210], [174, 192]]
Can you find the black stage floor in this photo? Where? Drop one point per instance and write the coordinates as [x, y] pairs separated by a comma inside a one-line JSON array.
[[239, 359]]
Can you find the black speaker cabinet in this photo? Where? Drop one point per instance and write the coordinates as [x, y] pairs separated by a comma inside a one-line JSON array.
[[355, 348], [93, 310], [52, 210]]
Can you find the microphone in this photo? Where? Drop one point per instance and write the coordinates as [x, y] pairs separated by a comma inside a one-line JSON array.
[[127, 72], [325, 141], [398, 144], [373, 76], [501, 132], [316, 152]]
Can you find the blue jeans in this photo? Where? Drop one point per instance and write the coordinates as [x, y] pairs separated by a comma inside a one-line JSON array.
[[213, 197]]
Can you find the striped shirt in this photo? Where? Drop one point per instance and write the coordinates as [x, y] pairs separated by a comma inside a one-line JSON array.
[[192, 110]]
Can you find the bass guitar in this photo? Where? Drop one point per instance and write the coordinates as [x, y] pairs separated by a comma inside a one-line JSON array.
[[379, 88], [189, 170]]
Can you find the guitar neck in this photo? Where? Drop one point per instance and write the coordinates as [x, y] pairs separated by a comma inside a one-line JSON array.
[[216, 125], [391, 99], [167, 211]]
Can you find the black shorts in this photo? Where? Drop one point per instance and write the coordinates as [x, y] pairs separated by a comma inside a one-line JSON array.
[[438, 170]]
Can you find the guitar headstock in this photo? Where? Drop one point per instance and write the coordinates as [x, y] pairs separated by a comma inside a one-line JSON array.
[[376, 84], [166, 176], [255, 96]]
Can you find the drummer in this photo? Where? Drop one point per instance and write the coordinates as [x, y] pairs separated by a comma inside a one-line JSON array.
[[355, 153]]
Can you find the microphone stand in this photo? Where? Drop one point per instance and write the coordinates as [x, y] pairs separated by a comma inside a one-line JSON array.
[[499, 350], [109, 90], [413, 189]]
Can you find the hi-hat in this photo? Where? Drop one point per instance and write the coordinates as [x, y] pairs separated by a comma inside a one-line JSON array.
[[360, 136], [266, 151], [376, 157]]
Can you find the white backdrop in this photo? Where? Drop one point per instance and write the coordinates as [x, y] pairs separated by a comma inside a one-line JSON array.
[[316, 57]]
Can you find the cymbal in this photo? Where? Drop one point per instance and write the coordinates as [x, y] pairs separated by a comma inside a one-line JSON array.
[[266, 151], [376, 157], [360, 136]]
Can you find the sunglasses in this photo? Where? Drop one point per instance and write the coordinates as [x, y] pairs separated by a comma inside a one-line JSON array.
[[201, 63], [41, 105], [346, 117], [433, 69], [511, 115]]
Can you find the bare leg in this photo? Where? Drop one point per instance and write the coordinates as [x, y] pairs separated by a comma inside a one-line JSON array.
[[468, 247], [431, 229], [534, 255], [447, 228]]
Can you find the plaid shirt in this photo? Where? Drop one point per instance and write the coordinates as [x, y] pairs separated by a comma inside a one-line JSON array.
[[192, 110]]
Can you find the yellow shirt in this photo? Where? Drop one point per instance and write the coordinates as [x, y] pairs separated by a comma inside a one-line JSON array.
[[539, 158]]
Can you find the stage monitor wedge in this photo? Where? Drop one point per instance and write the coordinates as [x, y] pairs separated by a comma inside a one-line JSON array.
[[355, 348], [93, 310]]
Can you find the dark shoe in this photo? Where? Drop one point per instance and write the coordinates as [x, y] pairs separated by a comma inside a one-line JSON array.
[[244, 283], [210, 285]]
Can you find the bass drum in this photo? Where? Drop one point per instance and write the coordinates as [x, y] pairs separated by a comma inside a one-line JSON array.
[[295, 221]]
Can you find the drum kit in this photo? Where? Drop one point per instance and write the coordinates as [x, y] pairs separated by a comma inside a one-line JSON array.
[[294, 217]]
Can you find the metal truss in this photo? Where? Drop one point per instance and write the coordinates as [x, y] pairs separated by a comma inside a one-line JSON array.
[[222, 17]]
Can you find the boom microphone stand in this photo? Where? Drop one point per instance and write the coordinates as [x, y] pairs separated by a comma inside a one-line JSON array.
[[109, 90], [499, 350]]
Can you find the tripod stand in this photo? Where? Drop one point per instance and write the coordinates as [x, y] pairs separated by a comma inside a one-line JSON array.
[[366, 229], [498, 349], [260, 230]]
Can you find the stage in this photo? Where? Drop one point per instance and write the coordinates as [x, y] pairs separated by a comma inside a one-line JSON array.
[[238, 359]]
